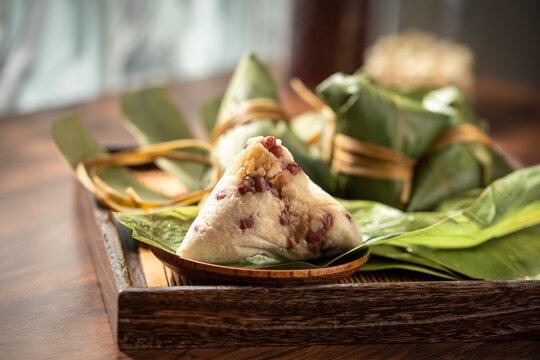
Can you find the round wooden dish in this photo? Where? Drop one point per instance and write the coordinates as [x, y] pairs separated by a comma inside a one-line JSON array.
[[217, 274]]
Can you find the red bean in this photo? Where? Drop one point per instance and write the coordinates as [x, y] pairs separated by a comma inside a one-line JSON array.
[[244, 186], [269, 142], [260, 184], [275, 192], [283, 218], [293, 168], [327, 221], [221, 195], [314, 236], [349, 217], [246, 222], [290, 242], [196, 228], [315, 246], [277, 151]]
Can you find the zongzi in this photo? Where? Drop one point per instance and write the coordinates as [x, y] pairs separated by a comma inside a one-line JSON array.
[[266, 204], [379, 136], [250, 107]]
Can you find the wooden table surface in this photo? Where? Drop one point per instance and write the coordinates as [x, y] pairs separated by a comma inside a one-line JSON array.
[[50, 300]]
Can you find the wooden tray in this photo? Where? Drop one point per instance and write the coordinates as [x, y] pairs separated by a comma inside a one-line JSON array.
[[150, 307]]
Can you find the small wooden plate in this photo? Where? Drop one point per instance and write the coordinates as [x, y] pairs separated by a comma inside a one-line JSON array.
[[217, 274]]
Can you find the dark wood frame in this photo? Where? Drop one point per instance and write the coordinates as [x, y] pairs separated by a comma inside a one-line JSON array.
[[236, 316]]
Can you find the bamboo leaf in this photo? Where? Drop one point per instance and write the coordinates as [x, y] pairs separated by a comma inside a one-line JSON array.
[[153, 118], [209, 113], [75, 144], [164, 229], [372, 114], [405, 255], [253, 80], [458, 167], [511, 257], [509, 204], [376, 263]]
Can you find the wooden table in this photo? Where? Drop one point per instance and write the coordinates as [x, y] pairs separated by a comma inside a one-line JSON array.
[[50, 300]]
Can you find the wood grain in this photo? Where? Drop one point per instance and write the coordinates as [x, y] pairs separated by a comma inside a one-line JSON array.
[[328, 314], [51, 305]]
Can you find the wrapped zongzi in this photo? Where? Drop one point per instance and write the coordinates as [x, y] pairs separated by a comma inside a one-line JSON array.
[[249, 108], [379, 136], [265, 204]]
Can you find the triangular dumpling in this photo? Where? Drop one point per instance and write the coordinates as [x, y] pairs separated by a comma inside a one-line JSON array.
[[266, 204]]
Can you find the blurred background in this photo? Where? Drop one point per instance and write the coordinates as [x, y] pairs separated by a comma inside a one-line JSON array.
[[61, 52]]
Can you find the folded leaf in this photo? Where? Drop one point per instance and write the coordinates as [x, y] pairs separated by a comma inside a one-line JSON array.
[[253, 80], [511, 257], [75, 144], [209, 113], [371, 114], [164, 229], [153, 118], [458, 167], [509, 204], [405, 255], [376, 263]]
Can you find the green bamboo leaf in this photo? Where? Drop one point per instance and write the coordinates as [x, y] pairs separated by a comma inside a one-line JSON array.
[[209, 113], [458, 167], [74, 144], [372, 114], [153, 118], [509, 204], [376, 263], [253, 80], [458, 202], [405, 255], [378, 220], [511, 257], [163, 229]]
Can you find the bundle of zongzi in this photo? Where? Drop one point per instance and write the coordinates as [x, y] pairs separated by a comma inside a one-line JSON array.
[[266, 204], [460, 159], [379, 136]]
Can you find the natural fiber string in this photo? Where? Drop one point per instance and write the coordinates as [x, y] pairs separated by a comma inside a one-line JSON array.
[[247, 112], [461, 134], [353, 157], [87, 173], [357, 158], [327, 113]]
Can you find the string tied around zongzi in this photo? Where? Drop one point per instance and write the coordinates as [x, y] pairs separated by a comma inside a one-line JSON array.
[[87, 172], [464, 133], [358, 158], [248, 111]]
